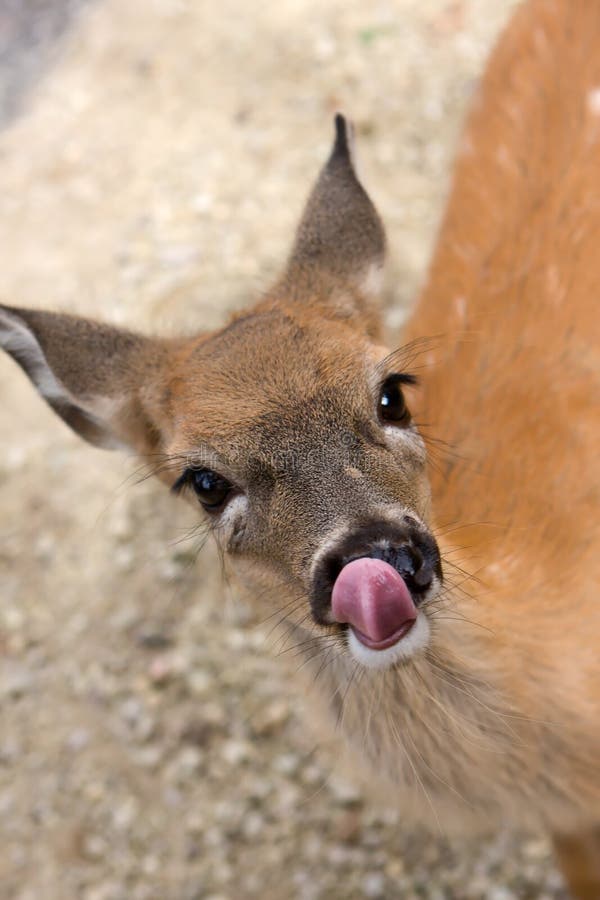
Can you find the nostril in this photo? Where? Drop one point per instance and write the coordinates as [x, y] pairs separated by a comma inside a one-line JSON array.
[[409, 561], [423, 574], [406, 559]]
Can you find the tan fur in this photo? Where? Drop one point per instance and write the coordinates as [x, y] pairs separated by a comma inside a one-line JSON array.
[[498, 718]]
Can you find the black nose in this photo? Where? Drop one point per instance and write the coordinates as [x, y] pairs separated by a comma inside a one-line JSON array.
[[406, 545], [408, 560]]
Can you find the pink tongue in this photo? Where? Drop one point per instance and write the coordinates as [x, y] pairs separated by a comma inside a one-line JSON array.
[[370, 595]]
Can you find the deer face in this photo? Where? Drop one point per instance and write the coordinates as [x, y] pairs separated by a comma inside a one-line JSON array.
[[299, 446], [289, 427]]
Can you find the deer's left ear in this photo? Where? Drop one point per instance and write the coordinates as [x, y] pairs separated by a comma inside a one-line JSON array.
[[104, 382], [339, 250]]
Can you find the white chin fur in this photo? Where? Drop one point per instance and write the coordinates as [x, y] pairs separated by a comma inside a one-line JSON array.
[[416, 639]]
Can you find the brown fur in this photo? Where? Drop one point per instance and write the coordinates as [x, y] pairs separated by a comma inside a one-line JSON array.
[[497, 719]]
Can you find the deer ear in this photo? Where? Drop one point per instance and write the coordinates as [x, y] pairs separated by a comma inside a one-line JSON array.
[[97, 378], [340, 241]]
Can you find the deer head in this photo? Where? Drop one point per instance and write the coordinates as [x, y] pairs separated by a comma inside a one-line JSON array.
[[288, 427]]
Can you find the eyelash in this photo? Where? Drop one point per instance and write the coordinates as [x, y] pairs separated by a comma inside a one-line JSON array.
[[182, 483], [401, 377]]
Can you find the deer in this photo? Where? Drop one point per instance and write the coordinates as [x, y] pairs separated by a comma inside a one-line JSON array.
[[422, 520]]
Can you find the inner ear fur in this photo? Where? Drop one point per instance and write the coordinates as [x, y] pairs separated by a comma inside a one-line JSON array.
[[101, 380]]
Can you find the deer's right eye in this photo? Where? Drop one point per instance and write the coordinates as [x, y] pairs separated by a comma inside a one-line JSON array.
[[211, 489], [392, 405]]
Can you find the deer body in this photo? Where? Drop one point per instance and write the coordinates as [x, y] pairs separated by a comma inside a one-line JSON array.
[[448, 612]]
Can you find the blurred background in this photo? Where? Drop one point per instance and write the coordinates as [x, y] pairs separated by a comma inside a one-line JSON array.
[[154, 157]]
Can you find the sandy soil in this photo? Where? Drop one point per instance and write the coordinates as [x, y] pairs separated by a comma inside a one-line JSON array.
[[151, 173]]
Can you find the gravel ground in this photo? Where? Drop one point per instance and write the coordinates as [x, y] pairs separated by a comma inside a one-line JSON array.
[[156, 158]]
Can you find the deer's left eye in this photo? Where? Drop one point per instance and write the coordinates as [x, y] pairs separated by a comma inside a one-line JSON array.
[[392, 405], [211, 488]]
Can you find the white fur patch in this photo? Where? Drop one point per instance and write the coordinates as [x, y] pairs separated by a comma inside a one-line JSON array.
[[233, 518], [371, 282], [19, 341], [406, 437], [235, 508], [416, 640]]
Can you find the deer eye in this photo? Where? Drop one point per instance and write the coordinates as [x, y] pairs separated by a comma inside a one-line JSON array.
[[211, 489], [392, 405]]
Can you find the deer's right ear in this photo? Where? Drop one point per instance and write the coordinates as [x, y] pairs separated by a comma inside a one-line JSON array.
[[340, 242], [102, 381]]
